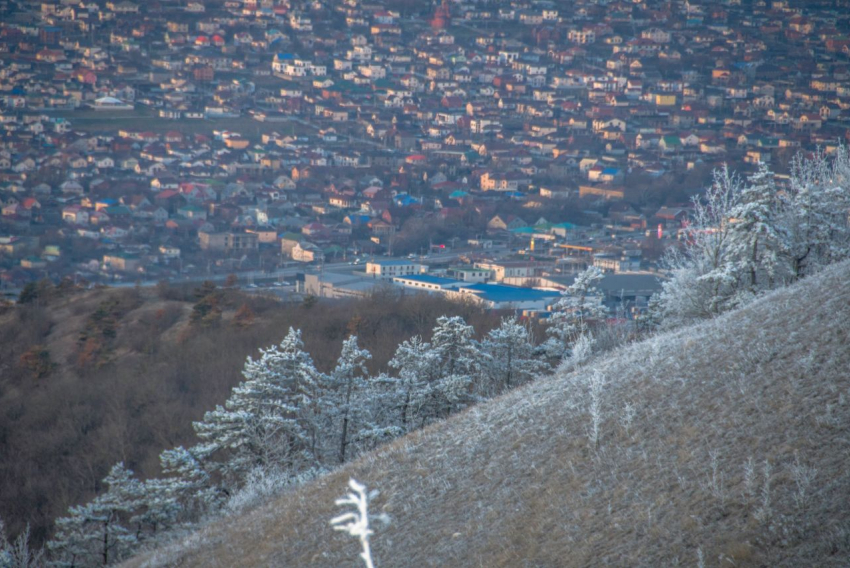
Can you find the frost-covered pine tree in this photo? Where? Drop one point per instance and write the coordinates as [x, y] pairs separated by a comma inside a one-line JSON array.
[[459, 360], [417, 371], [270, 417], [158, 509], [388, 409], [511, 359], [580, 304], [758, 239], [434, 379], [94, 533], [344, 387], [183, 493], [17, 553]]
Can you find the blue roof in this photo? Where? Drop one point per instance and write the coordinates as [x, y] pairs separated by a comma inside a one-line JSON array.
[[611, 171], [284, 56], [403, 199], [358, 219], [457, 193], [507, 294]]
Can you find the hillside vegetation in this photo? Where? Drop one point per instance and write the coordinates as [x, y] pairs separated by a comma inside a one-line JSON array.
[[721, 444], [90, 378]]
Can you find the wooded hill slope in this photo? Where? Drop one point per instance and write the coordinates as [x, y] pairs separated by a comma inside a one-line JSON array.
[[90, 378], [727, 441]]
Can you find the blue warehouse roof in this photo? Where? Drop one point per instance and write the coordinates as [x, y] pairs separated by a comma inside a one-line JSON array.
[[507, 294]]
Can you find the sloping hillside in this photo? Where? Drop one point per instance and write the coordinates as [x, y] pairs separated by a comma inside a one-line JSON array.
[[517, 482], [90, 378]]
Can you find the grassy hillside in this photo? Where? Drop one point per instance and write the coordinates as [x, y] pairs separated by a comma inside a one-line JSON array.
[[90, 378], [516, 482]]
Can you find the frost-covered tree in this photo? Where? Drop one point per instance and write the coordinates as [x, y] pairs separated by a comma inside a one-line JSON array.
[[758, 239], [580, 304], [183, 493], [703, 277], [158, 509], [17, 553], [417, 371], [270, 417], [389, 407], [433, 379], [343, 387], [459, 363], [94, 533], [510, 357], [749, 236], [816, 211]]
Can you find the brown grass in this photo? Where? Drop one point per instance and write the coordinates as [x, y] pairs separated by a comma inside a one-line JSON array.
[[515, 483]]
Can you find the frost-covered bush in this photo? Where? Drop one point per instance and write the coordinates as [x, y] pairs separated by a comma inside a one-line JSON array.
[[263, 484]]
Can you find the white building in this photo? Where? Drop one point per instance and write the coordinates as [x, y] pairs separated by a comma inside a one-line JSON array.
[[393, 268]]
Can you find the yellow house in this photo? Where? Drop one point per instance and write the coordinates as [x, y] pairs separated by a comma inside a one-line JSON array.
[[237, 143], [664, 99], [607, 192]]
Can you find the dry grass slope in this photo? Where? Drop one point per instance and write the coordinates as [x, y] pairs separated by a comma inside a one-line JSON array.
[[515, 482]]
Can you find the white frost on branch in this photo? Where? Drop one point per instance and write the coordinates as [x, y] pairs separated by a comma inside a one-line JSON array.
[[356, 523]]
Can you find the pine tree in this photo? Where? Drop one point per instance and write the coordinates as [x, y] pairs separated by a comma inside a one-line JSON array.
[[18, 553], [511, 359], [750, 237], [417, 367], [458, 357], [244, 317], [580, 304], [182, 494], [343, 385], [93, 533], [388, 410], [269, 417], [758, 239]]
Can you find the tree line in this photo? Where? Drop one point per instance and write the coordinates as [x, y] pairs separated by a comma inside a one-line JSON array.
[[287, 415]]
